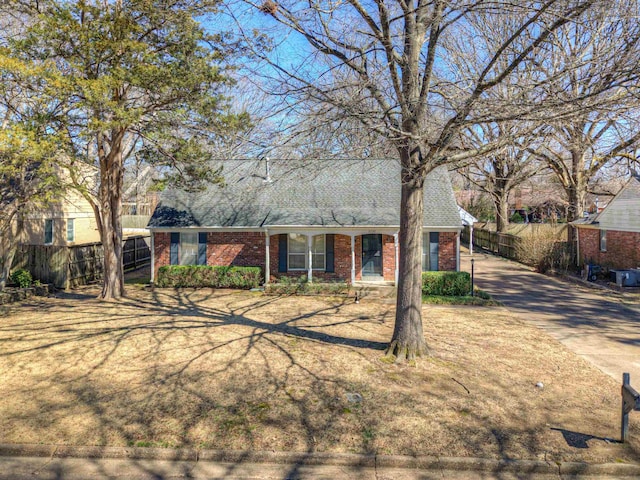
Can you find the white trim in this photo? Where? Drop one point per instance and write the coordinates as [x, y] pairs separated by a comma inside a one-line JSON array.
[[396, 249], [353, 259], [267, 255], [310, 258], [307, 229], [153, 259], [458, 253]]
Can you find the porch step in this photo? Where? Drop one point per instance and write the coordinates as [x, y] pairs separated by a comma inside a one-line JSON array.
[[380, 290]]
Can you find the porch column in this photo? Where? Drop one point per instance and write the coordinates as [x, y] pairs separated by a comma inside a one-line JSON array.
[[353, 259], [458, 251], [396, 249], [310, 267], [153, 258], [267, 265], [471, 239]]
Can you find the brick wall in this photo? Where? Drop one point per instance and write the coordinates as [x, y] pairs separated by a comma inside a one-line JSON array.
[[623, 248], [243, 249], [238, 249], [248, 249], [161, 251], [388, 258], [447, 256]]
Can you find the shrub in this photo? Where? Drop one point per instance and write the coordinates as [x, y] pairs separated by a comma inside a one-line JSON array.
[[22, 278], [209, 276], [300, 286], [446, 283], [542, 249], [516, 218]]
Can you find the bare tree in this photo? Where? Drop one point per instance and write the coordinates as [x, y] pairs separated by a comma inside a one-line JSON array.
[[603, 52], [383, 63], [499, 172]]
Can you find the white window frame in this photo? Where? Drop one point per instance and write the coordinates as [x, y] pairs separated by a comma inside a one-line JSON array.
[[322, 254], [71, 228], [48, 221], [296, 254], [603, 240], [314, 254], [181, 243]]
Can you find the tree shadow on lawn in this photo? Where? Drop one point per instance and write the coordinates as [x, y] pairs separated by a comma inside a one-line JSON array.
[[235, 376]]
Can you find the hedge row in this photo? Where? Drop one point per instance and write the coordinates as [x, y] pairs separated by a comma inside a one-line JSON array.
[[208, 276], [305, 288], [446, 283]]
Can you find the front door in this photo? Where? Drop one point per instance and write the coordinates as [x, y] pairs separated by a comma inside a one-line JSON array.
[[372, 257]]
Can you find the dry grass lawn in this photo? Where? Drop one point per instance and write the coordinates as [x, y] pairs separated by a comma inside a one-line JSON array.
[[238, 370]]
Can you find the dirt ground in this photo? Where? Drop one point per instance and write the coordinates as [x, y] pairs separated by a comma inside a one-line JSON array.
[[239, 370]]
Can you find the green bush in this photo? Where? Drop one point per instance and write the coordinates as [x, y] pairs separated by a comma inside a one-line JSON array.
[[300, 286], [516, 218], [22, 278], [209, 276], [446, 283]]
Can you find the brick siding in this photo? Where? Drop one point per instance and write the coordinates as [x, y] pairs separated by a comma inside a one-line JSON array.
[[248, 249], [623, 248], [447, 256]]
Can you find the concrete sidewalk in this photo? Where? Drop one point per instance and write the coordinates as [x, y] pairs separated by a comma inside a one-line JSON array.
[[595, 324], [64, 462]]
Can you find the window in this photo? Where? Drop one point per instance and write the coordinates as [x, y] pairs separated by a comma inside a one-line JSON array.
[[603, 240], [71, 232], [48, 231], [298, 252], [188, 251], [430, 251], [318, 249], [188, 248]]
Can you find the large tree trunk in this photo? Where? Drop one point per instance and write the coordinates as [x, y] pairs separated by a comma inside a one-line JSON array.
[[7, 261], [408, 341], [502, 212], [9, 247], [111, 171]]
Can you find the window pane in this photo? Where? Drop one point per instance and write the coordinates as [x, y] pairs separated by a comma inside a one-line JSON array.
[[48, 231], [70, 230], [318, 252], [318, 261], [603, 240], [297, 243], [188, 248], [297, 261], [317, 245]]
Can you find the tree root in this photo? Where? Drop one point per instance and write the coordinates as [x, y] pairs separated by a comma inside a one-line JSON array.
[[408, 352]]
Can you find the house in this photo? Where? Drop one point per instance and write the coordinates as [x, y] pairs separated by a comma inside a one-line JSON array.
[[611, 238], [327, 220]]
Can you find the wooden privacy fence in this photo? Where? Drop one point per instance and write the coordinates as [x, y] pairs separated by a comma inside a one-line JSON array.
[[511, 246], [70, 266], [503, 244]]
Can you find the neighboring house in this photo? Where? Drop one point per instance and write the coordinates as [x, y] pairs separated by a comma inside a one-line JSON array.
[[66, 222], [328, 220], [611, 238]]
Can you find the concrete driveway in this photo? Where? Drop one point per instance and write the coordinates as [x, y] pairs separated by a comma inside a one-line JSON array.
[[603, 327]]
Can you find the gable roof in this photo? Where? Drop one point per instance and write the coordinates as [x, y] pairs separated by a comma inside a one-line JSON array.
[[331, 193], [621, 213]]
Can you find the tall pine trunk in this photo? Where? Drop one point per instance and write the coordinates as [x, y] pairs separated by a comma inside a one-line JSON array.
[[408, 341]]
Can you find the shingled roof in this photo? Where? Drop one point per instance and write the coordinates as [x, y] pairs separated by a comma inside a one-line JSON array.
[[331, 193]]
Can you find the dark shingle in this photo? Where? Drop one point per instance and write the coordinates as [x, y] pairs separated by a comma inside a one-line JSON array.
[[330, 193]]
